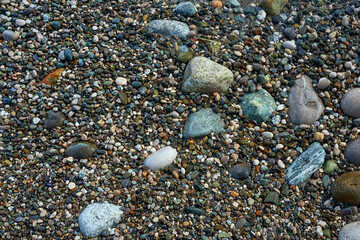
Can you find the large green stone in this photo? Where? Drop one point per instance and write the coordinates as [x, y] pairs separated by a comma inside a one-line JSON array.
[[258, 105]]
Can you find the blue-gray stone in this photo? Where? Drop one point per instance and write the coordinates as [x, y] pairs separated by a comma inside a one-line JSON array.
[[46, 17], [61, 55], [169, 28], [258, 105], [306, 164], [68, 54], [56, 24], [234, 3], [186, 9], [202, 123], [9, 35], [250, 10]]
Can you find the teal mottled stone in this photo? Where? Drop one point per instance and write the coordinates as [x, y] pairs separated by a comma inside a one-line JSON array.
[[306, 164], [258, 105], [68, 54], [202, 123]]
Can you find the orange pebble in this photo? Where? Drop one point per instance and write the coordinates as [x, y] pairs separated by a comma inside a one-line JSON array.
[[216, 4]]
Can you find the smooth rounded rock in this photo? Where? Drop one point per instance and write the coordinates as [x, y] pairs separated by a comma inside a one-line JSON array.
[[346, 188], [323, 83], [350, 231], [161, 158], [169, 28], [350, 103], [352, 153], [273, 7], [289, 44], [186, 9], [9, 35], [258, 105], [81, 150]]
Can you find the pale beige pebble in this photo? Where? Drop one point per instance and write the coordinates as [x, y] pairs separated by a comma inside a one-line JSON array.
[[71, 185], [121, 81], [43, 213], [319, 136], [323, 83]]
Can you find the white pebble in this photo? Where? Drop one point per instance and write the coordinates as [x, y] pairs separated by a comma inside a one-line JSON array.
[[161, 158], [289, 44], [20, 22], [36, 120], [333, 75], [71, 185], [261, 15], [281, 164], [279, 146], [269, 135], [121, 81]]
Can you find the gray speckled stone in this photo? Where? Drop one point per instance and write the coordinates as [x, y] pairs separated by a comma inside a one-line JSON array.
[[305, 106], [202, 123], [352, 153], [98, 217], [54, 119], [81, 150], [258, 105], [306, 164], [169, 28], [186, 9], [240, 171], [350, 231], [350, 103], [206, 76], [9, 35]]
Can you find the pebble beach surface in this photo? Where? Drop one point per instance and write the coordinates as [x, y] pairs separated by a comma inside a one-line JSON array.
[[230, 119]]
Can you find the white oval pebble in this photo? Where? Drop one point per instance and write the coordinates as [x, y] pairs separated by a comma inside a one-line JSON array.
[[20, 22], [323, 83], [289, 44], [161, 158], [121, 81], [281, 164]]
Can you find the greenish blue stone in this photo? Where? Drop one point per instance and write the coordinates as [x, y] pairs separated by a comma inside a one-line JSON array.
[[56, 24], [263, 79], [180, 109], [258, 105], [136, 84], [142, 90], [194, 210], [250, 10], [68, 54], [329, 167], [202, 123], [239, 19], [325, 181], [60, 65], [203, 237], [234, 3], [272, 197]]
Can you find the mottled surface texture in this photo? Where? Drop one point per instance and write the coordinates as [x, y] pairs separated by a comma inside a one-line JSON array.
[[54, 119], [350, 231], [206, 76], [305, 105], [350, 103], [346, 188], [258, 105], [98, 217], [273, 7], [352, 152], [169, 28], [202, 123], [81, 150], [306, 164]]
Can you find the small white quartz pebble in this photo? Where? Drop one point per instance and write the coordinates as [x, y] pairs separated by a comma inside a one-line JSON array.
[[161, 158], [121, 81], [71, 186]]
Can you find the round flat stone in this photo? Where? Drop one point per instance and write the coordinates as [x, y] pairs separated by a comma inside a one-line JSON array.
[[346, 188]]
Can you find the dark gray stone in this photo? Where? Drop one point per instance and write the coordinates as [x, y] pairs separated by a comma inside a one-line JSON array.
[[194, 210], [81, 150], [240, 171], [186, 9], [352, 153], [54, 120]]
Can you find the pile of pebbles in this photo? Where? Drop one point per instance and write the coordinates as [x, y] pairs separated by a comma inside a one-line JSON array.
[[179, 120]]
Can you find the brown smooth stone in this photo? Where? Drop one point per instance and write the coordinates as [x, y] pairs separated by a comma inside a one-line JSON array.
[[346, 188]]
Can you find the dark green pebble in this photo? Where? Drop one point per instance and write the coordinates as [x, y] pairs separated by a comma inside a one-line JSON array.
[[136, 84]]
